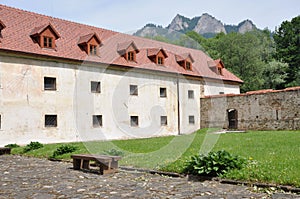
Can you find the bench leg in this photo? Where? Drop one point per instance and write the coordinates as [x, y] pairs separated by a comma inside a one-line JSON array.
[[85, 164], [76, 164]]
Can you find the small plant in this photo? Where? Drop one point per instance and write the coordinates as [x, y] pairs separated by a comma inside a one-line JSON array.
[[114, 152], [63, 149], [32, 146], [214, 164], [12, 146]]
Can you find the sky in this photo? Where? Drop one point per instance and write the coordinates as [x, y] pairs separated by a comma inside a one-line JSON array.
[[127, 16]]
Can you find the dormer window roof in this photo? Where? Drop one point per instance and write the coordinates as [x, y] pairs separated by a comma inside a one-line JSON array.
[[2, 25], [157, 55], [128, 50], [216, 66], [89, 43], [45, 36], [185, 60]]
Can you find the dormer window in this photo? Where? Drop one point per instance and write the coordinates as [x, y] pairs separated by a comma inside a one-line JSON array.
[[45, 36], [185, 61], [48, 42], [128, 50], [157, 55], [216, 66], [131, 56], [89, 43], [93, 50], [160, 60]]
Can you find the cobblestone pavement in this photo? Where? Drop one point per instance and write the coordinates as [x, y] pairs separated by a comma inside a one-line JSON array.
[[23, 177]]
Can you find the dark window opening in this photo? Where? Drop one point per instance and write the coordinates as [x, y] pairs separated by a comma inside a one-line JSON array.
[[50, 120], [163, 92], [163, 121], [48, 42], [188, 65], [49, 83], [191, 119], [191, 94], [133, 89], [97, 121], [221, 93], [134, 120], [93, 50], [130, 56], [277, 118], [95, 87], [160, 60]]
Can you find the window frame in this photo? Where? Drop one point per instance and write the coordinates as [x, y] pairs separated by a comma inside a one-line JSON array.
[[133, 90], [97, 121], [134, 121], [163, 92], [160, 60], [131, 56], [191, 94], [93, 49], [54, 118], [162, 118], [48, 88], [191, 119], [48, 42], [97, 88], [188, 65]]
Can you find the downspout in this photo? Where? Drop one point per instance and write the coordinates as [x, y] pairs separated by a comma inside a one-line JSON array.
[[178, 105]]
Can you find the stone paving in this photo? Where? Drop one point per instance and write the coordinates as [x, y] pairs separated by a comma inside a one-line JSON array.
[[24, 177]]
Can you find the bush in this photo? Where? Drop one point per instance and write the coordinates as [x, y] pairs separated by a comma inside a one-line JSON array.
[[114, 152], [214, 164], [32, 146], [12, 146], [63, 149]]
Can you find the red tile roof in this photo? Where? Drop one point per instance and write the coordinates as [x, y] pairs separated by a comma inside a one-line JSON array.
[[20, 24]]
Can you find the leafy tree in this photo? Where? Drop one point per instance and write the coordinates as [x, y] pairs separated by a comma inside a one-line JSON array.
[[287, 39], [275, 74]]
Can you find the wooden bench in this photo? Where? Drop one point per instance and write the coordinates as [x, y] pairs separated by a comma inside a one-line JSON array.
[[107, 164], [4, 150]]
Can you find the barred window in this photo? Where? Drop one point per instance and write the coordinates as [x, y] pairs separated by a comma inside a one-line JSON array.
[[95, 87], [49, 83], [97, 120], [134, 120], [163, 121], [50, 120], [191, 119], [133, 89]]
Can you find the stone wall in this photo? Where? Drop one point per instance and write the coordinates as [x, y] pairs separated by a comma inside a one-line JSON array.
[[257, 110]]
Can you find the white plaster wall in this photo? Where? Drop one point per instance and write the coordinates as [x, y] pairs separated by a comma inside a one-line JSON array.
[[24, 103], [213, 88]]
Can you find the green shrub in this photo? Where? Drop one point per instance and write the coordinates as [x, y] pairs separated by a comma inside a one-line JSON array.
[[12, 146], [32, 146], [63, 149], [214, 164], [114, 152]]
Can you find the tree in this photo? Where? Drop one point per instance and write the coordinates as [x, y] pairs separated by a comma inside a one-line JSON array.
[[275, 75], [287, 39]]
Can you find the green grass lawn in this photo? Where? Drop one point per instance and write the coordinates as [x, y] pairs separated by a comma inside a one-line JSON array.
[[274, 156]]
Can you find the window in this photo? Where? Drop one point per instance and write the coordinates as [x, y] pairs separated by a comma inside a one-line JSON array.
[[221, 92], [163, 92], [49, 83], [130, 56], [97, 121], [190, 94], [48, 42], [133, 90], [93, 49], [50, 120], [220, 71], [191, 119], [160, 60], [95, 87], [134, 120], [188, 65], [163, 121]]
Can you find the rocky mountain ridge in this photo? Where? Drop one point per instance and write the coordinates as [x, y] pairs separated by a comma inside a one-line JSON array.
[[205, 25]]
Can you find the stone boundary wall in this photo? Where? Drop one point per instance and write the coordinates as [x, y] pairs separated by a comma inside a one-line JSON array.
[[255, 110]]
